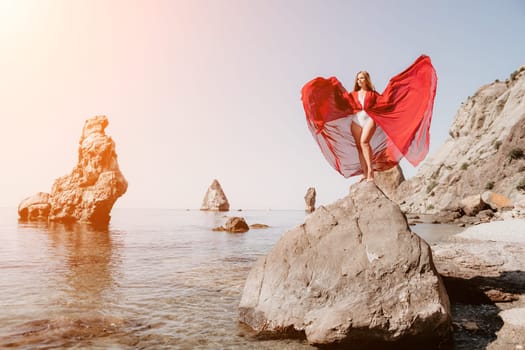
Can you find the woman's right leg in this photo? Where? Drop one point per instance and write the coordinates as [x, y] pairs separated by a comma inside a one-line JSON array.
[[356, 133]]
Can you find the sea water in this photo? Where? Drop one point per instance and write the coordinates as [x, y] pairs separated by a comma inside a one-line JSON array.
[[153, 279]]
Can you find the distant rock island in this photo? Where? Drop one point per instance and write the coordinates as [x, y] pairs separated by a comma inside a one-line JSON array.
[[215, 199], [88, 193]]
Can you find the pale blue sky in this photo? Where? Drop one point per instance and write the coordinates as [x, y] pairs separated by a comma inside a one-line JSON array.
[[197, 90]]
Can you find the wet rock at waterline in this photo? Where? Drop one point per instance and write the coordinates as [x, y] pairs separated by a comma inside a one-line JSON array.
[[234, 224], [36, 207]]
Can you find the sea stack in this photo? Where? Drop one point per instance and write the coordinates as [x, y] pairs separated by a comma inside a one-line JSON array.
[[215, 199], [88, 193], [309, 199]]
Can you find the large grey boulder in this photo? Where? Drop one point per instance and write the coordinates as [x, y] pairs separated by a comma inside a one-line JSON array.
[[215, 199], [353, 273]]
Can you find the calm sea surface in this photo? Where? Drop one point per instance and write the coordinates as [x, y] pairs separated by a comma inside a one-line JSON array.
[[155, 279]]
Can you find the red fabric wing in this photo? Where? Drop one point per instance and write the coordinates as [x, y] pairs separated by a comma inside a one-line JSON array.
[[403, 114], [404, 110]]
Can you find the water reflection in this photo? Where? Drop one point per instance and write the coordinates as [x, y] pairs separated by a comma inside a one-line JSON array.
[[73, 293], [88, 260]]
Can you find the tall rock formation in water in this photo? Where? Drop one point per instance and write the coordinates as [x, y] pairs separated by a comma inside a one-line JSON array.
[[215, 199], [309, 199], [485, 151], [353, 273], [88, 193]]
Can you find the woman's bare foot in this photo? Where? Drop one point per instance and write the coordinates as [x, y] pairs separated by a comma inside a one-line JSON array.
[[362, 179]]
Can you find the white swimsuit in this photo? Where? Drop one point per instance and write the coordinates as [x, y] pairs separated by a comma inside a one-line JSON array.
[[361, 117]]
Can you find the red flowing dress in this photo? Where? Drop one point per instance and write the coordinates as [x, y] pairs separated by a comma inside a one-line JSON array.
[[403, 113]]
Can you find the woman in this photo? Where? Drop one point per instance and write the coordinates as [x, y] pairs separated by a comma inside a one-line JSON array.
[[364, 131], [362, 126]]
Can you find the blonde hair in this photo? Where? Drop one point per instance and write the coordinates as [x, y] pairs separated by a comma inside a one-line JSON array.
[[368, 81]]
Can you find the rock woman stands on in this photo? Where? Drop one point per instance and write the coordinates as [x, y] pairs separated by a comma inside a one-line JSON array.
[[364, 131]]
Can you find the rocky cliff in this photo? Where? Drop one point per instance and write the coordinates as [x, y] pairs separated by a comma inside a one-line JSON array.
[[485, 151]]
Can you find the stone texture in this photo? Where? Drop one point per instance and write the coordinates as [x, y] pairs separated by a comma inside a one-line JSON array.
[[96, 182], [388, 181], [309, 199], [486, 129], [215, 199], [353, 273], [236, 225], [36, 207]]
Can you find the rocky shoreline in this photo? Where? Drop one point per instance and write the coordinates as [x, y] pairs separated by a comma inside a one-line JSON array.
[[483, 269]]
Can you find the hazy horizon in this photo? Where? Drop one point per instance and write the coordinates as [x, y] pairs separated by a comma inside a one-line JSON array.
[[202, 90]]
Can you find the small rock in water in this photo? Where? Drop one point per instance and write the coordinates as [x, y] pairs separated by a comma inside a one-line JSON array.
[[259, 226], [236, 224]]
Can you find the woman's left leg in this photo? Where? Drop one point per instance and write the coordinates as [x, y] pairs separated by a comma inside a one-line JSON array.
[[366, 136]]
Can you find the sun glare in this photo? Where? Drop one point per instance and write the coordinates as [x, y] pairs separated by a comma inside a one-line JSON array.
[[14, 16]]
